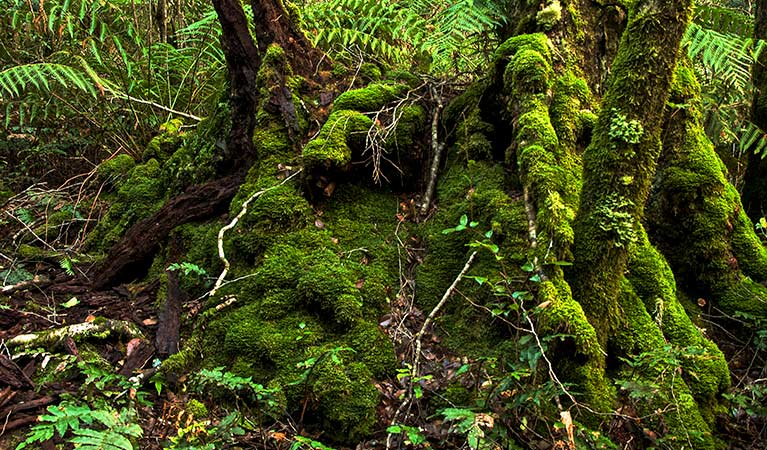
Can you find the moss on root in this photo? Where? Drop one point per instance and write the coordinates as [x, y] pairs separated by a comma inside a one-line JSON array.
[[656, 365], [696, 217], [370, 98], [344, 131]]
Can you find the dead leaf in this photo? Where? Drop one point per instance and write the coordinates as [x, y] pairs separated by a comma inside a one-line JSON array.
[[567, 420], [329, 189]]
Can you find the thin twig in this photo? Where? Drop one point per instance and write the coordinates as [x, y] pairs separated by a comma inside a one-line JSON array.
[[232, 224], [419, 344]]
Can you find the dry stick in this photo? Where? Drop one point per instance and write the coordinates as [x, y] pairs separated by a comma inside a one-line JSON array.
[[437, 149], [419, 343], [232, 224]]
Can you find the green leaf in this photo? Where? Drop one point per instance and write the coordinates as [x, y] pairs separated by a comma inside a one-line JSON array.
[[528, 266], [70, 303]]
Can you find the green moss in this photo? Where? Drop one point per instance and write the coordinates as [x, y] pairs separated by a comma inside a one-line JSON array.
[[537, 42], [405, 77], [369, 99], [696, 217], [374, 348], [549, 16], [528, 71], [162, 146], [409, 127], [586, 364], [568, 117], [116, 168], [346, 399], [343, 132], [332, 288], [370, 72], [140, 195], [196, 409], [339, 70], [706, 372], [655, 367], [274, 67]]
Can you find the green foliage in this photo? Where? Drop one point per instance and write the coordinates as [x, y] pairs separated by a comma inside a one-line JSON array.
[[622, 129], [302, 442], [421, 32], [188, 268], [721, 43], [218, 381], [115, 429], [202, 436], [87, 51], [413, 435]]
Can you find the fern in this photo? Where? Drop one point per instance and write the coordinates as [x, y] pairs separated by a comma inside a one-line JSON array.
[[403, 33], [720, 43], [15, 80]]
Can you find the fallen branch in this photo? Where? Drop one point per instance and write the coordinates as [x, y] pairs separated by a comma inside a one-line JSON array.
[[100, 329], [437, 149], [37, 281]]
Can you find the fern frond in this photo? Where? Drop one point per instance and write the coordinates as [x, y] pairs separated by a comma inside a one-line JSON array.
[[724, 20], [15, 80]]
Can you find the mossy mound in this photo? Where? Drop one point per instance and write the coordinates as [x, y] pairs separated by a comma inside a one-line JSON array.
[[477, 190], [332, 149], [316, 288]]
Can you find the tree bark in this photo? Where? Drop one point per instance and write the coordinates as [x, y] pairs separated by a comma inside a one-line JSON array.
[[618, 168], [243, 61]]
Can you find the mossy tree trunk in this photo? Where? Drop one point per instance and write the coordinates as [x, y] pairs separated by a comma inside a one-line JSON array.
[[619, 164], [130, 257], [626, 296]]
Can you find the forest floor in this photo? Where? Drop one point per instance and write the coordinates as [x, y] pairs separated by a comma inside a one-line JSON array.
[[126, 328]]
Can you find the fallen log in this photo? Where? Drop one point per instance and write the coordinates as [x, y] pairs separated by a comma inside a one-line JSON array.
[[95, 329], [129, 256]]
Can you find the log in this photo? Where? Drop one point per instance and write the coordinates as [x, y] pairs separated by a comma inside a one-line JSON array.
[[132, 254], [53, 337], [169, 325], [11, 375]]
